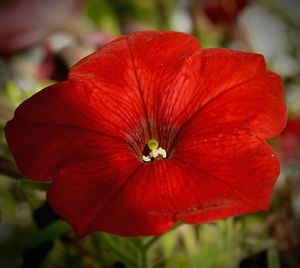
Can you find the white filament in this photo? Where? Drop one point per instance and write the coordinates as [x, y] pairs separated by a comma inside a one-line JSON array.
[[154, 154]]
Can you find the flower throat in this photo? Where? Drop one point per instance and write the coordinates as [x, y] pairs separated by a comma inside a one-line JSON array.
[[152, 151]]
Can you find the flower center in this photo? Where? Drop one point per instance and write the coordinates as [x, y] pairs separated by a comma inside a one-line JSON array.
[[152, 151]]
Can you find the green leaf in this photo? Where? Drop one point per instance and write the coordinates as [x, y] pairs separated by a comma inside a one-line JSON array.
[[273, 258], [102, 13], [36, 185], [53, 231], [13, 93], [168, 243], [179, 261], [119, 247]]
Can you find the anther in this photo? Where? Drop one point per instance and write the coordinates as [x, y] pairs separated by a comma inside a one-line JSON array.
[[152, 151]]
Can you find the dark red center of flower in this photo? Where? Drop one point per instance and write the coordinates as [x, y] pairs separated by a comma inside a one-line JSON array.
[[154, 142]]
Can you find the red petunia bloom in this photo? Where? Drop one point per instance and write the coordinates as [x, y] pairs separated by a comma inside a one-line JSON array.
[[25, 23], [289, 142], [153, 129], [223, 12]]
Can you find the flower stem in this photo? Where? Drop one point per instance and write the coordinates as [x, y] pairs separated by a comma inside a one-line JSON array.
[[153, 240], [150, 242], [144, 258], [163, 12], [8, 168], [114, 247]]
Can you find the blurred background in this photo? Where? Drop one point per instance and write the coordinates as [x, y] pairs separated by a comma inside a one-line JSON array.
[[41, 39]]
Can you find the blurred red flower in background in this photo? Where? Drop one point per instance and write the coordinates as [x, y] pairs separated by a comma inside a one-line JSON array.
[[153, 129], [55, 64], [24, 23], [223, 12], [289, 141]]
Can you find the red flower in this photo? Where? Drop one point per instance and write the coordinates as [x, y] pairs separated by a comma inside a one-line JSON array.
[[223, 12], [289, 141], [27, 22], [142, 96]]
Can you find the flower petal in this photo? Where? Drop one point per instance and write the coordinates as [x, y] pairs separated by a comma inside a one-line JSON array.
[[246, 167], [97, 195], [223, 138], [111, 76], [235, 89], [170, 78], [154, 64], [61, 124], [213, 180]]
